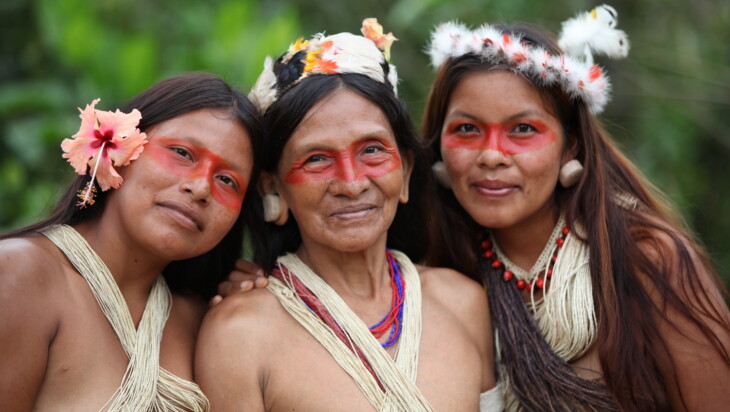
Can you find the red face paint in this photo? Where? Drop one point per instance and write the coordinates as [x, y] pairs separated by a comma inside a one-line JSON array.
[[510, 138], [360, 160], [202, 163]]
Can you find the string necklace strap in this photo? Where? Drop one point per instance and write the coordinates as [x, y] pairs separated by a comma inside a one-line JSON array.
[[393, 387], [145, 385], [393, 321], [565, 313]]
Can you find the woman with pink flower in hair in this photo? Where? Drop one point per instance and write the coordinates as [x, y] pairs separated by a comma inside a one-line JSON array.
[[100, 304]]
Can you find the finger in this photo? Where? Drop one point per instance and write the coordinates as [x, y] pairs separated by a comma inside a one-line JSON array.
[[261, 282], [216, 300], [246, 266]]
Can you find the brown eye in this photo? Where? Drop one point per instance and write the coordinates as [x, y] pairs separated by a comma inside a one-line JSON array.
[[182, 152], [466, 128], [523, 128]]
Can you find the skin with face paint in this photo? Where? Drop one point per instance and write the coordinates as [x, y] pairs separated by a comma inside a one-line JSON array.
[[502, 150], [341, 177], [343, 183], [178, 200]]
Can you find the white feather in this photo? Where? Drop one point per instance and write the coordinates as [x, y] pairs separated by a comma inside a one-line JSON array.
[[263, 92], [594, 32]]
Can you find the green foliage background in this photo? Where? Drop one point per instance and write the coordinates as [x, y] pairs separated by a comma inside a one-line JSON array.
[[671, 96]]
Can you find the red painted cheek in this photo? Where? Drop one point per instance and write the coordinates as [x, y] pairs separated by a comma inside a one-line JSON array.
[[347, 165], [206, 167]]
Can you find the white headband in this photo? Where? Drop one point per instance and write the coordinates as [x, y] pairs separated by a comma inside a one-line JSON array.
[[581, 79], [337, 54]]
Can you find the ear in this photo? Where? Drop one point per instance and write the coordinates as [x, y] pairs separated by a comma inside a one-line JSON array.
[[407, 162], [268, 185]]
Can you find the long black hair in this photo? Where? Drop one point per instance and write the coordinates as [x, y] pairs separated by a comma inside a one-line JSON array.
[[408, 232], [163, 101]]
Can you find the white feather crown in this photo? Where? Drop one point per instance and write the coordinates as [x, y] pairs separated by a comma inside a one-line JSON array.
[[578, 77], [337, 54]]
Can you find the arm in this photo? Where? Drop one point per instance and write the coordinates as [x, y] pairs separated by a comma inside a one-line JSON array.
[[230, 354], [695, 370], [27, 322]]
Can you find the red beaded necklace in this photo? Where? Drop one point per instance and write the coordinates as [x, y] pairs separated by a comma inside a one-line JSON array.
[[539, 282]]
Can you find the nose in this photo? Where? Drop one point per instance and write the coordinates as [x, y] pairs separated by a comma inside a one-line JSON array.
[[198, 188], [492, 159], [350, 188]]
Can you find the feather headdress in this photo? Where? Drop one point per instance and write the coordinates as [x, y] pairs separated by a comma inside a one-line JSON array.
[[579, 78], [337, 54]]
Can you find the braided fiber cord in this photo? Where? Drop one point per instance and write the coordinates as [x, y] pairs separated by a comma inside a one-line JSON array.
[[536, 378]]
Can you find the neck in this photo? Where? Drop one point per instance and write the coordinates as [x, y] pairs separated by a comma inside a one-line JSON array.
[[133, 269], [524, 242], [362, 274]]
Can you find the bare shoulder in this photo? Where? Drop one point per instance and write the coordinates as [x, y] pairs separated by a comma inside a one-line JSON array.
[[459, 295], [233, 351], [250, 310], [451, 287], [29, 267], [248, 320]]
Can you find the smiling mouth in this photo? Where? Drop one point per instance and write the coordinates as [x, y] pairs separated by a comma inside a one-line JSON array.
[[183, 215], [494, 188], [354, 212]]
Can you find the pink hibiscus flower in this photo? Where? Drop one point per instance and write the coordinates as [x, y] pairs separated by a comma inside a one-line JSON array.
[[105, 140]]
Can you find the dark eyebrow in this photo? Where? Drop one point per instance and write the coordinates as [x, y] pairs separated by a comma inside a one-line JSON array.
[[524, 113]]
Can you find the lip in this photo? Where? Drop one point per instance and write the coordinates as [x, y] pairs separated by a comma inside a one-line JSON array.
[[183, 214], [353, 212], [494, 188]]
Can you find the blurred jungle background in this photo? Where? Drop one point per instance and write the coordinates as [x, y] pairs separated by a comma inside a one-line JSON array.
[[670, 112]]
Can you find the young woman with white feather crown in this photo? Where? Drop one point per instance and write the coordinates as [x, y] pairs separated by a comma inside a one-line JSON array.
[[600, 298]]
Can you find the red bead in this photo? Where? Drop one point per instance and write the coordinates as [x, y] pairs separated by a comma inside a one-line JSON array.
[[554, 258], [488, 253], [507, 275], [540, 282], [550, 272], [528, 286], [487, 244], [521, 284], [566, 230], [496, 264], [560, 241]]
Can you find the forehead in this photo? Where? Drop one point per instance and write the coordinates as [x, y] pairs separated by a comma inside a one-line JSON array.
[[216, 131], [497, 90], [340, 119]]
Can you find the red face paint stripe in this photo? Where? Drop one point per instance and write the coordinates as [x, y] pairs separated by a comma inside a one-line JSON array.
[[206, 165], [348, 164], [498, 136]]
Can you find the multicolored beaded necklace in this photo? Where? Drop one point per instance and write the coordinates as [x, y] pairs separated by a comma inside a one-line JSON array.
[[524, 279], [392, 321]]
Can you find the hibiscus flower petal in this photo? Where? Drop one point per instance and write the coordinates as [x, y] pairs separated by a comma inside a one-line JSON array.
[[88, 120], [78, 151], [128, 149], [121, 124], [106, 175]]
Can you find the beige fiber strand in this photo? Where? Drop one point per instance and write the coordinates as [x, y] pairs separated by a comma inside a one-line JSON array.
[[397, 376], [145, 385], [565, 314]]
